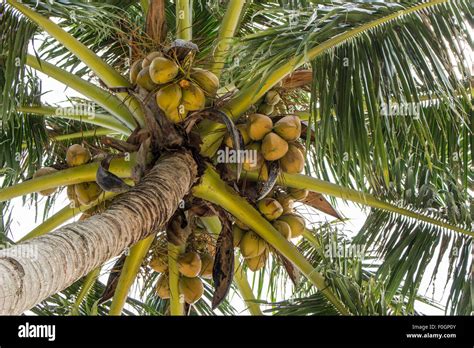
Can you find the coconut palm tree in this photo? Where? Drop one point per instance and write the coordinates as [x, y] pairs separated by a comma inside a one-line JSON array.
[[381, 91]]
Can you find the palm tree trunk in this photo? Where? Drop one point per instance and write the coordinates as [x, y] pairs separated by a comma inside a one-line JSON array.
[[36, 269]]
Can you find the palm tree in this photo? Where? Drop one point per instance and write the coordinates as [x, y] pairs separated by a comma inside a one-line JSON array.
[[382, 90]]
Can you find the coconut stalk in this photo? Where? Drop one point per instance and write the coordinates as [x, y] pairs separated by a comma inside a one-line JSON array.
[[104, 71], [227, 31], [85, 134], [240, 279], [121, 167], [176, 301], [184, 23], [300, 181], [109, 102], [212, 188], [102, 120], [129, 273]]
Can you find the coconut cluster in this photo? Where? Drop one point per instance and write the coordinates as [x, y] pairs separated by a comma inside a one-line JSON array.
[[278, 209], [79, 194], [193, 265], [179, 87], [272, 141]]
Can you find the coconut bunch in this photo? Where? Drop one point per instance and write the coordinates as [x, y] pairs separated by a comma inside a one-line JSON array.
[[79, 194], [194, 264], [273, 141], [84, 193], [179, 87], [278, 210]]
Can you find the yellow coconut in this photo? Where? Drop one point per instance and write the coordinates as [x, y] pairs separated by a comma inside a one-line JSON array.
[[289, 128], [296, 222], [272, 98], [274, 147], [270, 208], [163, 70], [159, 263], [207, 265], [42, 172], [189, 264], [174, 115], [207, 80], [258, 126], [87, 192], [149, 58], [191, 289], [283, 227], [77, 155], [144, 79], [251, 245], [237, 233], [193, 98], [298, 194], [135, 70], [163, 287], [293, 161], [286, 202], [256, 263], [169, 97], [71, 194], [253, 159]]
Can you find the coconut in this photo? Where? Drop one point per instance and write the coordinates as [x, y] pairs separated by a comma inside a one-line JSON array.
[[163, 287], [251, 245], [255, 160], [258, 126], [298, 194], [159, 263], [207, 265], [42, 172], [237, 234], [193, 98], [296, 222], [293, 161], [270, 208], [189, 264], [77, 155], [144, 80], [169, 97], [289, 128], [266, 109], [274, 147], [135, 70], [283, 227], [272, 98], [87, 192], [149, 58], [207, 80], [256, 263], [191, 289], [163, 70], [71, 194]]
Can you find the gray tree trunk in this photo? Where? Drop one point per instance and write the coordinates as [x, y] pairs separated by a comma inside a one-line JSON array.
[[34, 270]]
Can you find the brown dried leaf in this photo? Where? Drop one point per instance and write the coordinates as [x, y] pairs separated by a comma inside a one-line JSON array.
[[223, 270], [317, 201]]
